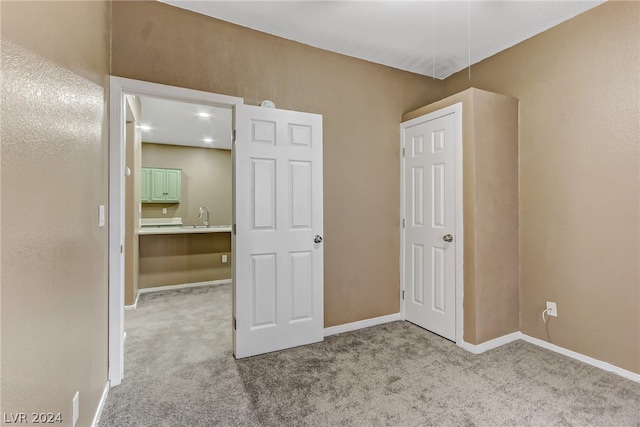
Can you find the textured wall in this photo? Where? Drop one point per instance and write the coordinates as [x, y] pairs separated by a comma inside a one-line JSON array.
[[579, 95], [55, 66], [361, 103]]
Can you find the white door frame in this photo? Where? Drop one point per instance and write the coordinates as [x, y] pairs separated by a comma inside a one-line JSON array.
[[456, 109], [119, 87]]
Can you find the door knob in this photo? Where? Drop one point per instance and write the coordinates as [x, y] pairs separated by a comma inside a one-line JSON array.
[[317, 239], [447, 238]]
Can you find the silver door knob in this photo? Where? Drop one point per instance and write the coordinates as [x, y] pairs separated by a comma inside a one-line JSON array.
[[317, 239], [447, 238]]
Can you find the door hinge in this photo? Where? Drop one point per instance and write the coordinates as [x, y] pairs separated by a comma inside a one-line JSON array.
[[234, 229], [403, 295], [234, 323], [121, 248], [404, 223], [233, 137], [403, 151]]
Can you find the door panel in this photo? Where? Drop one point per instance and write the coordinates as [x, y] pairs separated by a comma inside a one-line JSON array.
[[278, 270], [158, 178], [173, 185], [429, 269]]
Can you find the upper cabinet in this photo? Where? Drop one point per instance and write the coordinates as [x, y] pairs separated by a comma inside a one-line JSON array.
[[161, 185], [146, 185]]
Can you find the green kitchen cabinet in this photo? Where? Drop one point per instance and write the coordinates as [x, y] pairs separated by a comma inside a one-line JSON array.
[[146, 186], [161, 185]]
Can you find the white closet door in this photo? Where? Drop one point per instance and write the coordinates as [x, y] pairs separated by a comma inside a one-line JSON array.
[[430, 228]]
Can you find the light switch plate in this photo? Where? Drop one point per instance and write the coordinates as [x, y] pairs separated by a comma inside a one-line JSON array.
[[101, 218], [75, 411]]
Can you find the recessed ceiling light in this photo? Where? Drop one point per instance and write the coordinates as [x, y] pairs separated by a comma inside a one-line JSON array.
[[203, 114], [207, 140], [144, 127]]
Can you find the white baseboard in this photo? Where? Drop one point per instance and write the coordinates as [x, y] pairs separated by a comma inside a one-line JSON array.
[[582, 358], [506, 339], [172, 287], [184, 286], [491, 344], [361, 324], [135, 303], [103, 400]]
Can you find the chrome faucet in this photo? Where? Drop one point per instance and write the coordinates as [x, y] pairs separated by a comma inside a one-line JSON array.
[[203, 210]]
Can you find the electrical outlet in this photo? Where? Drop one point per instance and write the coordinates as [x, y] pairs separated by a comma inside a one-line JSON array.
[[164, 211], [552, 310], [76, 408], [224, 258]]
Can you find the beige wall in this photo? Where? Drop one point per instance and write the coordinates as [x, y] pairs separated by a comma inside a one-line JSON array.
[[579, 95], [176, 259], [579, 183], [206, 181], [361, 104], [55, 66]]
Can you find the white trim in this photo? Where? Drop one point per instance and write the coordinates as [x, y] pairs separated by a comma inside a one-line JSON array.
[[184, 286], [582, 358], [402, 224], [116, 231], [119, 87], [103, 400], [456, 110], [491, 344], [361, 324], [172, 287], [458, 170], [135, 303], [515, 336]]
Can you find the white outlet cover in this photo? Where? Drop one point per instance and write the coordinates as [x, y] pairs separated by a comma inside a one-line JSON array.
[[552, 309]]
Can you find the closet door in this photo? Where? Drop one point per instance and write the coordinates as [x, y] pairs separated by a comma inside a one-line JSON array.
[[429, 269]]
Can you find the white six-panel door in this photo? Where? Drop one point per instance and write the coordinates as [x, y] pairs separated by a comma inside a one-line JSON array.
[[430, 224], [278, 265]]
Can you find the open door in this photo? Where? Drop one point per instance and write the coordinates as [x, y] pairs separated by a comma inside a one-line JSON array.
[[278, 225]]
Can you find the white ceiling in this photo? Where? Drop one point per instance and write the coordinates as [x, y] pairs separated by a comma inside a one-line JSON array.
[[433, 38], [181, 123]]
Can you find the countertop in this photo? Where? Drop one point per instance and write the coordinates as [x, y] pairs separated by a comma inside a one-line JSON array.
[[184, 229]]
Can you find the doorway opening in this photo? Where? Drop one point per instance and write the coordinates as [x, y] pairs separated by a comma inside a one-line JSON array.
[[277, 255], [125, 94]]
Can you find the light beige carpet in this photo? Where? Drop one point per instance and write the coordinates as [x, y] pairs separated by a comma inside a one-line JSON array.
[[179, 371]]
